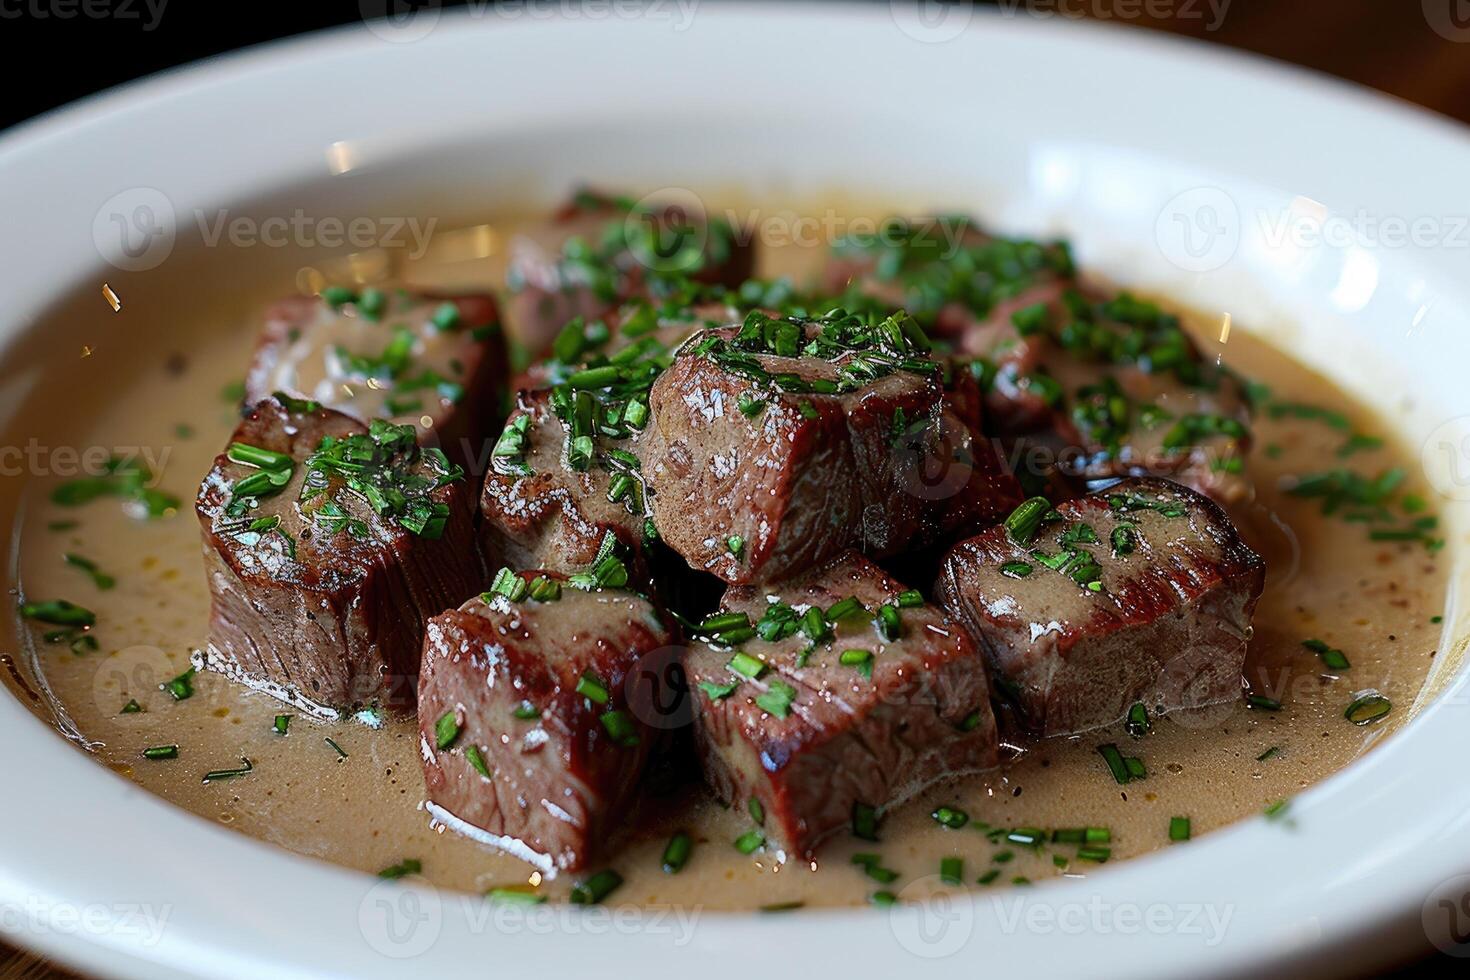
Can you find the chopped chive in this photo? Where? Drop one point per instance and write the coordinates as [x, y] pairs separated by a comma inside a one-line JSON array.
[[910, 599], [596, 888], [844, 608], [131, 708], [221, 774], [750, 406], [620, 727], [59, 612], [282, 725], [1026, 837], [1138, 723], [883, 898], [446, 730], [515, 896], [446, 317], [1262, 702], [872, 866], [746, 666], [404, 868], [1272, 752], [736, 544], [1178, 828], [951, 870], [1332, 658], [855, 657], [1367, 707], [757, 812], [988, 877], [1025, 520], [341, 752], [1015, 569], [510, 585], [889, 623], [1276, 809], [161, 752], [181, 688], [750, 842], [476, 759], [1096, 854], [676, 853], [718, 692], [100, 579], [526, 711], [951, 817], [782, 906], [592, 688], [864, 822]]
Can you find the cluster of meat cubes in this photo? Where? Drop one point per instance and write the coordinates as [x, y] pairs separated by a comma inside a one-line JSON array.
[[684, 428]]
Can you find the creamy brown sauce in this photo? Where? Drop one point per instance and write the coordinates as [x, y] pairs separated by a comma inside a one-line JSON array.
[[153, 380]]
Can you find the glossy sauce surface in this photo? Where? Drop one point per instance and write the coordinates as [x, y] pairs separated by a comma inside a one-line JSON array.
[[151, 380]]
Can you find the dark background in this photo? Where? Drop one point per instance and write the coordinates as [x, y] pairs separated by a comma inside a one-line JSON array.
[[48, 59]]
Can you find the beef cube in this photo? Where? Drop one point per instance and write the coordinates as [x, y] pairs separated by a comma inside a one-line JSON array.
[[603, 250], [945, 271], [539, 511], [847, 695], [640, 324], [783, 443], [1119, 387], [1116, 381], [327, 544], [380, 353], [532, 734], [1141, 593]]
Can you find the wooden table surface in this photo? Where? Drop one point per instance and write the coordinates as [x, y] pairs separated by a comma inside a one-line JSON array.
[[1390, 45]]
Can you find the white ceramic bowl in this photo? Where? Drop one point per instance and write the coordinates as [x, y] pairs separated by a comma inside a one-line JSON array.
[[1125, 141]]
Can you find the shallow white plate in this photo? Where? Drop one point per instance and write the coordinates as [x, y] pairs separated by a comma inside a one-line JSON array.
[[1172, 165]]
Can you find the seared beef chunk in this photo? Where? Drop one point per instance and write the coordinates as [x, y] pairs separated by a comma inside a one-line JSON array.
[[528, 732], [379, 353], [327, 544], [1118, 387], [946, 271], [1112, 383], [839, 694], [547, 504], [1140, 593], [782, 443], [635, 329], [603, 250]]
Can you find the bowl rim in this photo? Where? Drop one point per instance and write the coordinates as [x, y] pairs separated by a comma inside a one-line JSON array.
[[1369, 883]]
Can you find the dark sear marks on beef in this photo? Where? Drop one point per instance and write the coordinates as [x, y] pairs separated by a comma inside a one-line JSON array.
[[1110, 384], [327, 544], [827, 700], [779, 444], [602, 250], [391, 354], [1142, 592], [528, 734]]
